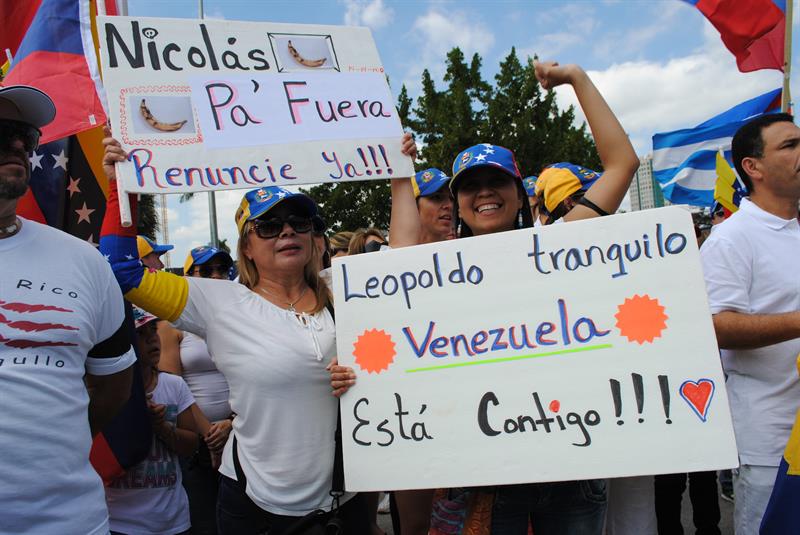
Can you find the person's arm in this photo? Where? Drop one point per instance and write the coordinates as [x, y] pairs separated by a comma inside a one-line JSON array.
[[217, 435], [107, 395], [161, 293], [736, 330], [342, 377], [404, 225], [180, 438], [613, 146], [170, 349]]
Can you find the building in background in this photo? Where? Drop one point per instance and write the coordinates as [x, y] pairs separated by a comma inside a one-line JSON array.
[[645, 192]]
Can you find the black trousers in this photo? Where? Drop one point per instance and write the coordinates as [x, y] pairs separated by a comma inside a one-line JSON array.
[[705, 502], [238, 515]]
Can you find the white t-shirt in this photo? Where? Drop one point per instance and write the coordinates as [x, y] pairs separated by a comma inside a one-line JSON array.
[[58, 300], [207, 384], [149, 499], [750, 263], [274, 362]]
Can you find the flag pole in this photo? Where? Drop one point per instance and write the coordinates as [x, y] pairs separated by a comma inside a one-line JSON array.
[[786, 96], [125, 216]]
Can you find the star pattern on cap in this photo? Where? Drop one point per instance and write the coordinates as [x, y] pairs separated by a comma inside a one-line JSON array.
[[281, 194], [480, 157], [36, 160], [84, 214], [61, 160]]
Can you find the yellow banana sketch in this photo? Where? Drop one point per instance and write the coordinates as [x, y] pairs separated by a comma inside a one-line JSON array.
[[155, 123], [303, 61]]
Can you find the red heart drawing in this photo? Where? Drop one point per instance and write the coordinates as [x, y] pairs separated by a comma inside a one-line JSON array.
[[698, 395]]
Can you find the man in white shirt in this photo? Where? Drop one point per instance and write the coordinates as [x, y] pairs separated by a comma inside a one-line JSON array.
[[751, 264], [65, 354]]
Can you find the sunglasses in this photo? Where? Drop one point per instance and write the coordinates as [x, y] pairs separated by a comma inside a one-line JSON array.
[[271, 228], [206, 270], [10, 131]]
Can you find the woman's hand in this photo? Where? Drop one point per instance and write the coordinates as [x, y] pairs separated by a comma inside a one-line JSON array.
[[409, 146], [342, 377], [113, 153], [217, 435], [550, 74]]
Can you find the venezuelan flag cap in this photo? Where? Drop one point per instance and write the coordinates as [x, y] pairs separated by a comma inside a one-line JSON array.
[[26, 104], [200, 255], [146, 246], [483, 155], [561, 180], [258, 202], [428, 182]]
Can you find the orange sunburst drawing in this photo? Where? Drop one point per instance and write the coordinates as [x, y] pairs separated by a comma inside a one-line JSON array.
[[641, 319], [374, 351]]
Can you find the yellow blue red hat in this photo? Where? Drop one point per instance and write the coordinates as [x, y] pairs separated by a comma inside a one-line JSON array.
[[529, 183], [258, 202], [484, 155], [561, 180], [200, 255], [146, 246], [428, 182]]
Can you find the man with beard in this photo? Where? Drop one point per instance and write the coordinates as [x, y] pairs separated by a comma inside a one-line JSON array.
[[65, 355]]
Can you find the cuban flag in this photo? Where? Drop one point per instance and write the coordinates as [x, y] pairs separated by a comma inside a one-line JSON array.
[[57, 55], [685, 161], [753, 30]]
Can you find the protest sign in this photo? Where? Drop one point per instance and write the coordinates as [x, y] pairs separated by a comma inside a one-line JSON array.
[[212, 104], [574, 351]]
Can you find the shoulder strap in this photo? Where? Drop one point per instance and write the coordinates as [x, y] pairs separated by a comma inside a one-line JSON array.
[[337, 485], [589, 204]]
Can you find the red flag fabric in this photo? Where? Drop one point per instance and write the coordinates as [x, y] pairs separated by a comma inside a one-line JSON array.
[[753, 30]]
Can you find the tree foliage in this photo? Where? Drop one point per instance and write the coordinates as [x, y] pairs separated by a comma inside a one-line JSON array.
[[514, 112], [148, 223]]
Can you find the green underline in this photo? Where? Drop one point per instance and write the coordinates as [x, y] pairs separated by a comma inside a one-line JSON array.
[[510, 359]]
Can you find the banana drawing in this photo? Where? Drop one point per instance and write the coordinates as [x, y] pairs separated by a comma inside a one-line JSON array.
[[155, 123], [303, 61]]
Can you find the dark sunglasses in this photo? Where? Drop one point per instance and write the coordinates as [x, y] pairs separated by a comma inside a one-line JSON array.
[[271, 228], [374, 246], [206, 270], [11, 131]]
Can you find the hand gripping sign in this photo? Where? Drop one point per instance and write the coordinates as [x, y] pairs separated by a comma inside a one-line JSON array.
[[575, 351], [203, 105]]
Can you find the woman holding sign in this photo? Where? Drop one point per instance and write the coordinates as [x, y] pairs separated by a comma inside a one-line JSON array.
[[272, 336], [490, 197]]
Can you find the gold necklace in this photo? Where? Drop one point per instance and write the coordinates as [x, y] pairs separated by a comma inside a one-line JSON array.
[[289, 304]]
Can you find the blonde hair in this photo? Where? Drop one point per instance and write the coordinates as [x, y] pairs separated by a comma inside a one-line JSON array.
[[341, 240], [359, 240], [248, 272]]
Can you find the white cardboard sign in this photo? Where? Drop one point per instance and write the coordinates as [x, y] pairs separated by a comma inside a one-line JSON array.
[[206, 105], [574, 351]]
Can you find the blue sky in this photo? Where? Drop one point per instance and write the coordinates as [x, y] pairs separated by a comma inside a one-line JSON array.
[[659, 63]]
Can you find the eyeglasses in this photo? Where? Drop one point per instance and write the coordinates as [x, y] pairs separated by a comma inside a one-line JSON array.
[[206, 270], [271, 228], [11, 131]]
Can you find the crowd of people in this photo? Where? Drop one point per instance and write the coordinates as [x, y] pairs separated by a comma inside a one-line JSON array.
[[238, 364]]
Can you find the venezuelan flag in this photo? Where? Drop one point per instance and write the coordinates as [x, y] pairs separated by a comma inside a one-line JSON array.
[[727, 190], [57, 55], [780, 517]]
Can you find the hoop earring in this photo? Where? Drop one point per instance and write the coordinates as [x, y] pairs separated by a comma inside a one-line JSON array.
[[520, 223]]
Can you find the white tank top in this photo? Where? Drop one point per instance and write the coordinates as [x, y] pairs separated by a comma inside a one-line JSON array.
[[208, 385]]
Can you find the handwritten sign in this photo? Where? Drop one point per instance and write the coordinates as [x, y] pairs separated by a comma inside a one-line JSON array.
[[574, 351], [213, 105]]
